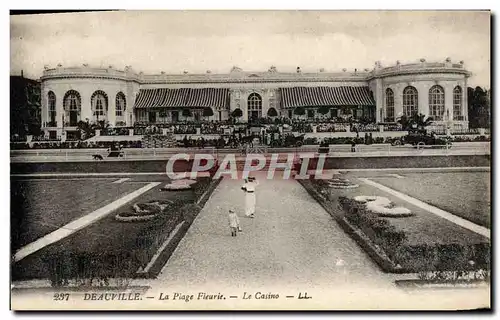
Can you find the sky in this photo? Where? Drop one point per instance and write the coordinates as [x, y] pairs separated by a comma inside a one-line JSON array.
[[197, 41]]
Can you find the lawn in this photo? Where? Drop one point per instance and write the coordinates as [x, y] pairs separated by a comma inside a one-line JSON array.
[[465, 194], [422, 242], [39, 207], [128, 244]]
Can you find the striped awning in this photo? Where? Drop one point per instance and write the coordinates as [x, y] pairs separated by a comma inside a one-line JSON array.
[[184, 97], [326, 96]]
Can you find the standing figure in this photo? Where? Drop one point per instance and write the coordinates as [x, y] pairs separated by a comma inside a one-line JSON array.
[[250, 199], [234, 223]]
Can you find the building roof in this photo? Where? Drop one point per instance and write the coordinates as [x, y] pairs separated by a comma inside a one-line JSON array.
[[326, 96], [184, 97]]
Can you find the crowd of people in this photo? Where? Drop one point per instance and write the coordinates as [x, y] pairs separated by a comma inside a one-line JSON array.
[[74, 145], [212, 128]]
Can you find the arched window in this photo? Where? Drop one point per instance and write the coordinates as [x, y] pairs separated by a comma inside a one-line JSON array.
[[254, 106], [52, 108], [120, 104], [436, 102], [457, 103], [410, 101], [72, 106], [99, 102], [389, 105]]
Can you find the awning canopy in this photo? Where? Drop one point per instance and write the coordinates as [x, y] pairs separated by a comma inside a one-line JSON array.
[[326, 96], [184, 97]]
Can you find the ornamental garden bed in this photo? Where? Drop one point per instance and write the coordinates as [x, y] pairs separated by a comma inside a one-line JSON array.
[[472, 203], [420, 243], [112, 251]]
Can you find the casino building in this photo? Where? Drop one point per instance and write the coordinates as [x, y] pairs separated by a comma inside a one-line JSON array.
[[127, 98]]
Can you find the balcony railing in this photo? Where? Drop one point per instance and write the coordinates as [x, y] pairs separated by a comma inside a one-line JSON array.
[[115, 132], [458, 118], [51, 124], [392, 127], [465, 131]]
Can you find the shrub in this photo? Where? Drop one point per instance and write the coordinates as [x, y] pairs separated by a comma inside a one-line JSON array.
[[89, 269]]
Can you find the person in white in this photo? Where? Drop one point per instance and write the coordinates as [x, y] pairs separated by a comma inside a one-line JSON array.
[[250, 200], [234, 223]]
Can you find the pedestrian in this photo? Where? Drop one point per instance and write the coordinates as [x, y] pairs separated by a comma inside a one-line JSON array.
[[250, 199], [234, 223], [353, 145]]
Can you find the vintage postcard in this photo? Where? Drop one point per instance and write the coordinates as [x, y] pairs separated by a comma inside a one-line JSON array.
[[250, 160]]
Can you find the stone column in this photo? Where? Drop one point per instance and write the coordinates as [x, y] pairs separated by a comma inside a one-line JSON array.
[[86, 107], [398, 100], [111, 114], [448, 101], [59, 109], [379, 99], [423, 99], [465, 102]]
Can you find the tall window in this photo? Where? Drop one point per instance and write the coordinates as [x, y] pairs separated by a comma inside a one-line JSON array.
[[99, 102], [436, 102], [410, 101], [120, 104], [52, 108], [254, 106], [72, 106], [457, 103], [389, 105]]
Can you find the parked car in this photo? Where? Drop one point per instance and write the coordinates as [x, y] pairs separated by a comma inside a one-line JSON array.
[[422, 138], [288, 141]]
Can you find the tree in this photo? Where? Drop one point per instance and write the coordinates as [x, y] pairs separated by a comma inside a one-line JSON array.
[[478, 107], [208, 112], [323, 110], [404, 122], [416, 121], [25, 106], [186, 113], [300, 111], [237, 113], [272, 112], [85, 129]]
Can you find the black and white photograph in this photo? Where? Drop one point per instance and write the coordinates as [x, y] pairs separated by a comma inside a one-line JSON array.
[[251, 160]]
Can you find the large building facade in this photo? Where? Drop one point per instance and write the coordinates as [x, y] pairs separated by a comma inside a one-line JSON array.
[[127, 98]]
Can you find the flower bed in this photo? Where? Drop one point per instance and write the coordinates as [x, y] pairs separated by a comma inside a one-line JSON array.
[[175, 185], [145, 211], [392, 247], [382, 206], [111, 249], [420, 257]]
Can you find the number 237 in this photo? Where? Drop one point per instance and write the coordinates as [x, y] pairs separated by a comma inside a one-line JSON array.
[[61, 296]]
